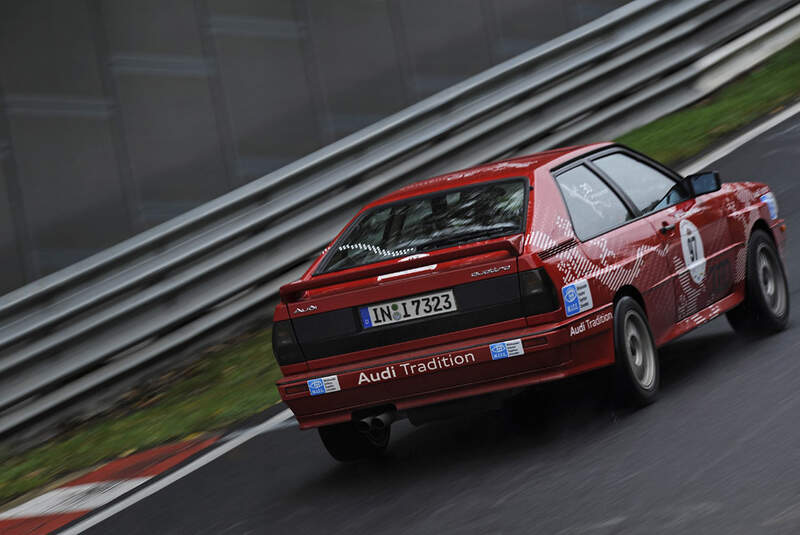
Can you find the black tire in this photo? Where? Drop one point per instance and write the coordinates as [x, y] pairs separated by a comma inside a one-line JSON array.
[[346, 444], [765, 309], [638, 372]]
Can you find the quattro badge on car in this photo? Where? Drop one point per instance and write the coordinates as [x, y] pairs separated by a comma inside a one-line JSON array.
[[490, 271]]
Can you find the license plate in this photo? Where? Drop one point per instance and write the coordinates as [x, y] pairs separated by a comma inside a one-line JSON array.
[[407, 309]]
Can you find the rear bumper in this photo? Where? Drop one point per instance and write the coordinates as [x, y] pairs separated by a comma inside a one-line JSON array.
[[453, 371]]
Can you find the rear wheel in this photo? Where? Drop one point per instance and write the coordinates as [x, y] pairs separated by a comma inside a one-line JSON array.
[[766, 306], [637, 366], [346, 444]]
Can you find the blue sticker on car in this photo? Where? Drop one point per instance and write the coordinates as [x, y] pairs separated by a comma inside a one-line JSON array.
[[571, 304], [366, 321], [499, 351], [509, 348], [577, 297], [323, 385], [316, 387]]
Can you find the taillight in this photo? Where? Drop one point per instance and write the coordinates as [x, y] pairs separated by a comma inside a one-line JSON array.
[[538, 293], [284, 344]]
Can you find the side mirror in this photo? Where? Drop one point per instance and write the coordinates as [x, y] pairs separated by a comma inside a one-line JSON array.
[[704, 183]]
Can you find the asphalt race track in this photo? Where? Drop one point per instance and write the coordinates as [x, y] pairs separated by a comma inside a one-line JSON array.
[[718, 453]]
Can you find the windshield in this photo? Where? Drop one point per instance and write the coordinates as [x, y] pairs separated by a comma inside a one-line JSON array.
[[422, 224]]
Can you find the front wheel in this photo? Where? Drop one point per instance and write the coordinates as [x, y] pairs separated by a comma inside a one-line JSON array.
[[345, 443], [766, 306], [637, 366]]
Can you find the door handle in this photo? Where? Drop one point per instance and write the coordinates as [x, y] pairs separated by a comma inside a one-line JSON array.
[[667, 227]]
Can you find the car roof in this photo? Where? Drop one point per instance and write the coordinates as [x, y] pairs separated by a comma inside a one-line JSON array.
[[521, 166]]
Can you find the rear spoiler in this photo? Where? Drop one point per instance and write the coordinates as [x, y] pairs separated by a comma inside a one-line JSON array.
[[293, 290]]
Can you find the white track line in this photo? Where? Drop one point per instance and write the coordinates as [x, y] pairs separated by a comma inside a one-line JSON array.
[[73, 499], [180, 473], [723, 151]]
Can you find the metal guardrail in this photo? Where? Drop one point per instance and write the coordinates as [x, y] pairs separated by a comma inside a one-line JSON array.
[[90, 324]]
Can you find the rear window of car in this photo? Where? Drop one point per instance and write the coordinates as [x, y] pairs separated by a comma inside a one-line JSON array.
[[426, 223]]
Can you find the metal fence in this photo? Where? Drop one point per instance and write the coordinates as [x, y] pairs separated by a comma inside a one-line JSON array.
[[140, 301]]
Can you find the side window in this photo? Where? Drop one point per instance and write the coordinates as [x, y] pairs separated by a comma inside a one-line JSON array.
[[593, 207], [646, 186]]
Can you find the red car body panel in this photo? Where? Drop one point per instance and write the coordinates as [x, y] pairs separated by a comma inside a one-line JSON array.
[[636, 258]]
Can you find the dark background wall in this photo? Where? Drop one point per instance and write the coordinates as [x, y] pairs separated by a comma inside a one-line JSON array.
[[116, 115]]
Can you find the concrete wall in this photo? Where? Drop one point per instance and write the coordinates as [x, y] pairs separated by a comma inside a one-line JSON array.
[[116, 115]]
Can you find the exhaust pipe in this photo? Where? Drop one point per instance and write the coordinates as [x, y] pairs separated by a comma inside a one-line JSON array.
[[382, 421], [376, 424], [364, 425]]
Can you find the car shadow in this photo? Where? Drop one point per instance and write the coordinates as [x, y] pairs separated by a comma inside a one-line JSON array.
[[541, 424]]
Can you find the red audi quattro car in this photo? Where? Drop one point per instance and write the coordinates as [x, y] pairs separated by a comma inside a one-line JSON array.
[[477, 283]]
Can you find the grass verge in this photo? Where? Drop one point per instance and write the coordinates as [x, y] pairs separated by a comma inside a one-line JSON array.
[[223, 387], [686, 133]]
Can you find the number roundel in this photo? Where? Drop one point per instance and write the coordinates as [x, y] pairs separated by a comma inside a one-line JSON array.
[[693, 253]]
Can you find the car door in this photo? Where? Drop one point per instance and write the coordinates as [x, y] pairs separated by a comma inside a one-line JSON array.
[[697, 238], [692, 230], [617, 247]]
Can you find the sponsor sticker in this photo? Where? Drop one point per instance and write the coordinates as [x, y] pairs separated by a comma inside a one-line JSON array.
[[509, 348], [772, 204], [577, 297], [590, 323], [694, 255], [419, 367], [324, 385]]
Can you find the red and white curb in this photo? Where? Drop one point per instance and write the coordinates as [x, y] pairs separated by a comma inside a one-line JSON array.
[[123, 481], [83, 495]]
